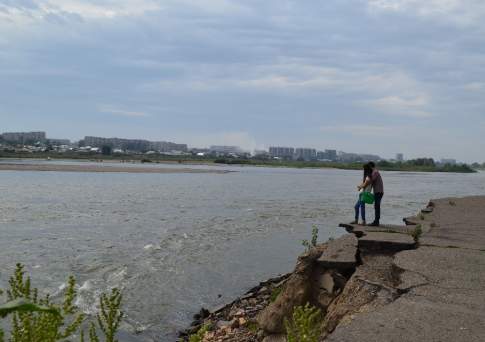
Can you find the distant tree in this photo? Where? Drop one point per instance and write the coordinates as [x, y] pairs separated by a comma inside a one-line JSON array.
[[106, 150], [384, 163], [422, 162]]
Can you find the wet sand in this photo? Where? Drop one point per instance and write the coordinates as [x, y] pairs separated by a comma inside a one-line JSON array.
[[101, 168]]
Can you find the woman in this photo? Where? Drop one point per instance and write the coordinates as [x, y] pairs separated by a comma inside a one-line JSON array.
[[360, 205]]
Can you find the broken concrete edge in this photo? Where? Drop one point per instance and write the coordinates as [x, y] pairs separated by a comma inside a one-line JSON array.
[[332, 269]]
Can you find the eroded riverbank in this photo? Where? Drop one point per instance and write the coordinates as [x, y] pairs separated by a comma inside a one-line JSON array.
[[419, 282]]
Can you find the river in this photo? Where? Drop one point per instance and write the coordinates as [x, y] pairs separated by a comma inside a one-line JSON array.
[[176, 242]]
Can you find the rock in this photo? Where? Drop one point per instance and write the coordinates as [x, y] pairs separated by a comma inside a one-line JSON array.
[[262, 290], [234, 323], [275, 338], [223, 324], [242, 321], [296, 291], [247, 295], [218, 309], [340, 254], [204, 313], [389, 242]]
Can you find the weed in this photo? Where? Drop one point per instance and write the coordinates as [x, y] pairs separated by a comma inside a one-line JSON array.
[[252, 326], [416, 233], [38, 319], [305, 325], [452, 203], [275, 293], [309, 245], [199, 335]]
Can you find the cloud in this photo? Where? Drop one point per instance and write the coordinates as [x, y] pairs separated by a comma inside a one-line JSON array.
[[396, 105], [121, 112], [459, 12], [361, 130]]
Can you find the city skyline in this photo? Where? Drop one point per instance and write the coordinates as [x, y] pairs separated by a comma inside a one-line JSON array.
[[381, 77], [308, 153]]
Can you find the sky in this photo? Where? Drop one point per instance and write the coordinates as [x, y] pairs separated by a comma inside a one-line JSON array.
[[367, 76]]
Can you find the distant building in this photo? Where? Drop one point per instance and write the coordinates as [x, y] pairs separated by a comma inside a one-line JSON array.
[[330, 155], [24, 137], [357, 158], [218, 149], [58, 142], [134, 145], [305, 154], [399, 157], [281, 152], [165, 146], [261, 153]]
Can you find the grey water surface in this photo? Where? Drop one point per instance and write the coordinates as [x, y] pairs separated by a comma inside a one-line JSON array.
[[176, 242]]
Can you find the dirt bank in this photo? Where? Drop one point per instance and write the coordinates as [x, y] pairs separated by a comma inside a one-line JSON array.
[[101, 168]]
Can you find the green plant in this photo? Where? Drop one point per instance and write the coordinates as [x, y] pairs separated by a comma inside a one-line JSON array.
[[199, 335], [305, 325], [37, 319], [275, 293], [416, 233], [309, 245], [252, 326], [110, 314]]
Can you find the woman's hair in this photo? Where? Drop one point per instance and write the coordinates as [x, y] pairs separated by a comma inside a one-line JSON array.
[[367, 171]]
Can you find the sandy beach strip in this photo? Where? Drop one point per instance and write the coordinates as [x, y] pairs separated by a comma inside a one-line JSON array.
[[101, 168]]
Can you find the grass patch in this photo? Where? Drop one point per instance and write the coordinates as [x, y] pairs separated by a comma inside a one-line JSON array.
[[275, 293], [252, 326], [416, 233], [199, 335], [305, 324]]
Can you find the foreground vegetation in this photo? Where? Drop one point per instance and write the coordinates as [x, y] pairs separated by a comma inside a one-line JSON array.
[[38, 319]]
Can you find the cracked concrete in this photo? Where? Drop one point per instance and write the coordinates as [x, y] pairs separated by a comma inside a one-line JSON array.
[[440, 285]]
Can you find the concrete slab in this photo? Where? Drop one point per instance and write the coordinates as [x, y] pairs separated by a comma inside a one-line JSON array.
[[441, 283], [360, 230], [388, 242], [413, 319], [340, 253]]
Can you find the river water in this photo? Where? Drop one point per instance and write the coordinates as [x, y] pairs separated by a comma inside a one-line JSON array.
[[176, 242]]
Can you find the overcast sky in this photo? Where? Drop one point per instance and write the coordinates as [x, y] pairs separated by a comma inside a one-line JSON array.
[[375, 76]]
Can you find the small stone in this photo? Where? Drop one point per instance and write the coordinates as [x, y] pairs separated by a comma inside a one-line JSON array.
[[242, 321], [235, 323], [223, 324], [240, 312], [264, 289]]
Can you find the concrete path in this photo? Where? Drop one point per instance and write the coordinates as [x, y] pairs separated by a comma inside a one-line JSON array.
[[442, 281]]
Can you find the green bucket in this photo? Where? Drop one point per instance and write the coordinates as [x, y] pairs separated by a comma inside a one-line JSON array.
[[367, 197]]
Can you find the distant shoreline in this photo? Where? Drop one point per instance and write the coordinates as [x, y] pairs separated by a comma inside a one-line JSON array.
[[188, 160], [100, 169]]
